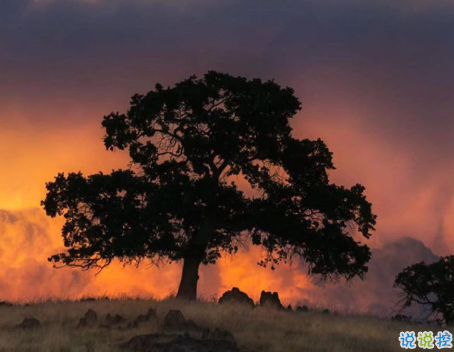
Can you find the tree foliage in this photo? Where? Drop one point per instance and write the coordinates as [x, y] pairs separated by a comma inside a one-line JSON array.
[[430, 285], [191, 147]]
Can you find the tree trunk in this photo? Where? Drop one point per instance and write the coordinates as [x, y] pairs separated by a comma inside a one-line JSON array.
[[189, 279], [194, 255]]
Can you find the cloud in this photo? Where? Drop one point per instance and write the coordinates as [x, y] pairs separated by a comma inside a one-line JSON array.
[[376, 294], [29, 238], [26, 243]]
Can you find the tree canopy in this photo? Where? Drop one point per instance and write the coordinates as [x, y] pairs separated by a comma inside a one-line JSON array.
[[430, 285], [191, 147]]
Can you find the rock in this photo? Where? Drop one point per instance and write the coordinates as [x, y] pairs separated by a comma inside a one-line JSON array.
[[151, 314], [91, 315], [116, 319], [90, 318], [302, 309], [220, 334], [289, 308], [270, 300], [174, 320], [236, 296], [29, 323], [178, 343]]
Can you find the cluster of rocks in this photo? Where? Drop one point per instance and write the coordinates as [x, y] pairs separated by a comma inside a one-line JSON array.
[[176, 323], [143, 318], [90, 319], [181, 334], [176, 333], [267, 300], [178, 343]]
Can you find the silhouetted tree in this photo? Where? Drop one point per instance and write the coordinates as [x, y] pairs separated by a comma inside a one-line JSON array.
[[431, 285], [178, 200]]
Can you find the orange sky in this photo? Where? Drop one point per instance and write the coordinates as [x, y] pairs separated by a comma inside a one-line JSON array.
[[29, 237]]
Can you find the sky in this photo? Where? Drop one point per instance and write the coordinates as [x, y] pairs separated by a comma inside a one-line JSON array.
[[376, 82]]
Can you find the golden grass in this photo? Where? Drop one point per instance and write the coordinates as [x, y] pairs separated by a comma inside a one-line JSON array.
[[254, 329]]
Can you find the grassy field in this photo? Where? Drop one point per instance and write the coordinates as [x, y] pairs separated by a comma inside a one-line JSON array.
[[257, 329]]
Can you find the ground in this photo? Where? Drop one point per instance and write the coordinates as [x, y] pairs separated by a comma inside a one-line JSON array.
[[257, 329]]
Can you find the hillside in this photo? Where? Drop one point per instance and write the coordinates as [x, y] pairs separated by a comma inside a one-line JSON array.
[[257, 329]]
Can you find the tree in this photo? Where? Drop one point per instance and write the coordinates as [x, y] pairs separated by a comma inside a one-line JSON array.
[[431, 285], [179, 200]]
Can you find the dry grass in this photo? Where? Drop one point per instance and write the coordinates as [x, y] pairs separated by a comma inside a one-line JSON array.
[[254, 329]]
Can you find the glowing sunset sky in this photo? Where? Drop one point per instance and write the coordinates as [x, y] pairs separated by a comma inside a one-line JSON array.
[[375, 77]]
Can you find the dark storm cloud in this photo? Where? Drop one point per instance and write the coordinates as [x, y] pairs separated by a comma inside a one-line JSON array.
[[397, 60]]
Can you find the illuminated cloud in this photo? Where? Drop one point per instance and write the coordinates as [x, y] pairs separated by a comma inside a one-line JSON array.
[[29, 237], [26, 243]]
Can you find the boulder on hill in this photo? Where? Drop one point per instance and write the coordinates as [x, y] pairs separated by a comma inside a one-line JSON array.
[[143, 318], [90, 318], [151, 314], [270, 300], [178, 343], [236, 296], [29, 323], [175, 321]]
